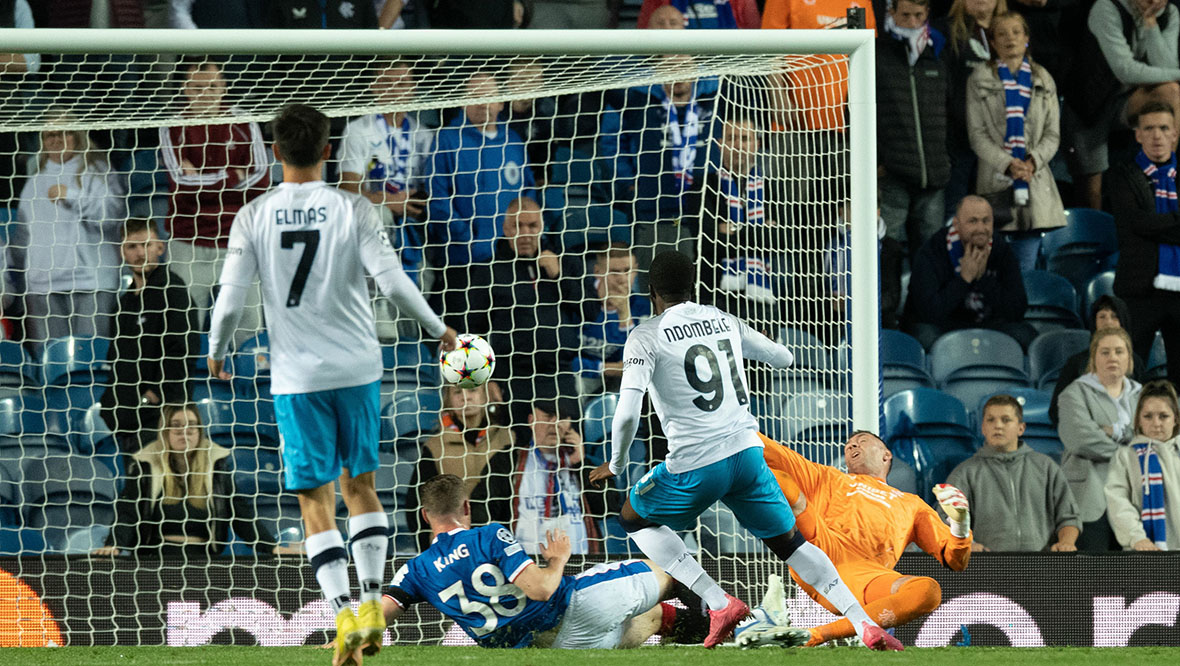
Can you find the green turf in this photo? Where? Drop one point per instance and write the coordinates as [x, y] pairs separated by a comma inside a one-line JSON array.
[[670, 656]]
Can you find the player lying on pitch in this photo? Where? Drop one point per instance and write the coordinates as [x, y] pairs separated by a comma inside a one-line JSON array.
[[482, 579], [864, 525]]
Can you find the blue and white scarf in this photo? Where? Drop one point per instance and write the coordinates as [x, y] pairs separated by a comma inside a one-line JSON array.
[[954, 248], [748, 207], [683, 139], [749, 276], [395, 176], [1017, 97], [1153, 514], [1163, 178]]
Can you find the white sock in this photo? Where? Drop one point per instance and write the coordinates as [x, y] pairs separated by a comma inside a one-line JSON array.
[[814, 567], [369, 538], [666, 549], [329, 561]]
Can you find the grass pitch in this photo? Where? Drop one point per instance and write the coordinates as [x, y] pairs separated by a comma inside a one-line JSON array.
[[653, 656]]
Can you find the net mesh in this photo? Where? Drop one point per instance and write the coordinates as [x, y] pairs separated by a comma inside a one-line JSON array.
[[740, 161]]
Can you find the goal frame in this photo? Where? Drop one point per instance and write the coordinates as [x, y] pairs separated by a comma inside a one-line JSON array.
[[858, 45]]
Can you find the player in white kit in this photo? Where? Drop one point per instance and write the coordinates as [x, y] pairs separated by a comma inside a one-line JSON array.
[[310, 245], [689, 357]]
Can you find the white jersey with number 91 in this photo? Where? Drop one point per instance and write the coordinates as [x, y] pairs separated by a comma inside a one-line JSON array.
[[690, 359]]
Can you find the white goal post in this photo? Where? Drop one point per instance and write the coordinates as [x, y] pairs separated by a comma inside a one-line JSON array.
[[333, 71]]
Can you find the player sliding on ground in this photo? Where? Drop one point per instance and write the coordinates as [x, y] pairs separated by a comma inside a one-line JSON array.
[[311, 245], [482, 579], [690, 356], [864, 525]]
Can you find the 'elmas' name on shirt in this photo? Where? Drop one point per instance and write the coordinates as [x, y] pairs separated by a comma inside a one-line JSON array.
[[697, 329], [301, 216]]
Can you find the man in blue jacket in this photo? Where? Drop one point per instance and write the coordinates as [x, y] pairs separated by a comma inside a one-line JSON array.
[[479, 167]]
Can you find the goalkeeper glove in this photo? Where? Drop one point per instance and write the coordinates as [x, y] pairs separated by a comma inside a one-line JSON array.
[[954, 505]]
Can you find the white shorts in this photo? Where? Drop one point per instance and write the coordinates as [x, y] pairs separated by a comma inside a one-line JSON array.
[[605, 597]]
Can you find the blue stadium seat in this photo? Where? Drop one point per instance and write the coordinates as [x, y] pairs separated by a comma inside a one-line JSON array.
[[972, 363], [1049, 352], [1157, 361], [409, 363], [817, 418], [394, 471], [808, 350], [251, 366], [240, 422], [88, 433], [1098, 286], [65, 494], [926, 412], [592, 224], [257, 471], [16, 369], [598, 417], [1052, 301], [903, 363], [1086, 246], [76, 361], [23, 414], [410, 416]]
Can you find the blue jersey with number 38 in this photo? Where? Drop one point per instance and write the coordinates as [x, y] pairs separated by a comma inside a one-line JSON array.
[[467, 575]]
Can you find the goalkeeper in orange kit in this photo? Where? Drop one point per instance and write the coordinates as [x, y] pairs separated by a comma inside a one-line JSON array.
[[864, 525]]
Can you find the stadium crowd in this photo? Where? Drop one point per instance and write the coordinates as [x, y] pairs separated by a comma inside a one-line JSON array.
[[532, 222]]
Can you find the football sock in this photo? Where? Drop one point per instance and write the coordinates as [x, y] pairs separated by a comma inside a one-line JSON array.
[[668, 550], [915, 598], [329, 561], [369, 539], [814, 567]]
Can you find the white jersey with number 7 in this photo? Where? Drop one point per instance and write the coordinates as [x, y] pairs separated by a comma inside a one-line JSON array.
[[310, 245], [690, 359]]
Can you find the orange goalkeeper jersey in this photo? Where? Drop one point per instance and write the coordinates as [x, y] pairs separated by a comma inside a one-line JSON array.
[[864, 518]]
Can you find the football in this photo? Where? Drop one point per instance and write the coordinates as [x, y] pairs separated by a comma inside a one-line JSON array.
[[470, 364]]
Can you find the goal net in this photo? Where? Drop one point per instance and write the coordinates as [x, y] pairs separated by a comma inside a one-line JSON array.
[[525, 194]]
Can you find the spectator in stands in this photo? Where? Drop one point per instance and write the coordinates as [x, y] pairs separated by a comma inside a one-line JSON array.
[[698, 14], [14, 67], [1147, 216], [964, 277], [741, 229], [1107, 312], [385, 156], [532, 118], [332, 14], [607, 317], [180, 501], [813, 91], [1143, 487], [154, 340], [570, 14], [665, 129], [1137, 41], [464, 14], [534, 341], [213, 170], [912, 89], [1015, 135], [665, 17], [1096, 417], [552, 484], [965, 29], [1019, 498], [478, 168], [64, 242], [475, 444]]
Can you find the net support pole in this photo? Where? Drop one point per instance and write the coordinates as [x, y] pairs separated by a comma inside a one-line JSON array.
[[863, 305]]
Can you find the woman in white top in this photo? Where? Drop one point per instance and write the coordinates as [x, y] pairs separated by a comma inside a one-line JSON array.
[[65, 242], [1095, 418], [1157, 424]]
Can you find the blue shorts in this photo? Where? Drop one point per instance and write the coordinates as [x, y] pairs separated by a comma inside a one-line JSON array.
[[742, 482], [325, 432]]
